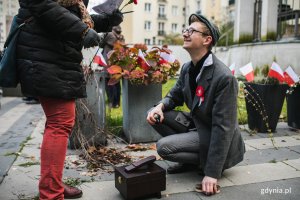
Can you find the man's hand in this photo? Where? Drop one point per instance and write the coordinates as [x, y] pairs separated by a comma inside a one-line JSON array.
[[209, 185], [157, 110], [91, 39]]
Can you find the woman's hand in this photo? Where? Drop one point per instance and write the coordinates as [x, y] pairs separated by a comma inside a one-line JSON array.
[[156, 111], [209, 185]]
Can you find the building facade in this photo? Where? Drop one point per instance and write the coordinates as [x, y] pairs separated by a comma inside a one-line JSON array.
[[265, 20], [8, 8], [152, 20]]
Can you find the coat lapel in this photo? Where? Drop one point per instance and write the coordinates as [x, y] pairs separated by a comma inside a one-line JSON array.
[[204, 75]]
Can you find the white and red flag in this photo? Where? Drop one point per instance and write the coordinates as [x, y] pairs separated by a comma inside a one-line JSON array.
[[99, 59], [290, 76], [168, 57], [276, 72], [248, 72], [232, 68], [142, 61]]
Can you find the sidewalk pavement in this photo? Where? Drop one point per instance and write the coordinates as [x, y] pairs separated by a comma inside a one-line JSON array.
[[265, 173]]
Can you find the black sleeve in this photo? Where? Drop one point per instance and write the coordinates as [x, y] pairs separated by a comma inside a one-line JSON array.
[[101, 23], [57, 19]]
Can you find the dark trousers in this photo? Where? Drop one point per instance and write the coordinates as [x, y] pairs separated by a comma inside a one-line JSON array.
[[113, 93], [180, 142]]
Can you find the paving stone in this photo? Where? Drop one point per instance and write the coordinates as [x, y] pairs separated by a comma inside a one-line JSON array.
[[294, 163], [9, 118], [282, 189], [241, 175], [268, 155], [295, 148], [266, 143]]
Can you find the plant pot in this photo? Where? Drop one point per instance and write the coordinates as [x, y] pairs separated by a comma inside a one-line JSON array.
[[136, 101], [90, 114], [264, 104], [293, 108]]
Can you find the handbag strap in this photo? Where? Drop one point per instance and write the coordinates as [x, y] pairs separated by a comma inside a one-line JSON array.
[[11, 34]]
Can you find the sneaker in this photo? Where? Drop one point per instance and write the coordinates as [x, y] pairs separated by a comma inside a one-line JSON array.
[[180, 168]]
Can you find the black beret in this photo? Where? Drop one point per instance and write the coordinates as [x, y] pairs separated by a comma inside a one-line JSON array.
[[215, 34]]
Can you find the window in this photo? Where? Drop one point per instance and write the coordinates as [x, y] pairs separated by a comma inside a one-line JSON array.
[[174, 10], [160, 42], [147, 41], [161, 26], [147, 7], [174, 28], [147, 26], [161, 9]]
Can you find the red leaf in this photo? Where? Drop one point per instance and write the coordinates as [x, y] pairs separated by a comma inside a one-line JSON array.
[[114, 69]]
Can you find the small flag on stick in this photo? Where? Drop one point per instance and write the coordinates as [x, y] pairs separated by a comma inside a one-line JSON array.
[[276, 72], [232, 68], [248, 72], [99, 59], [290, 77]]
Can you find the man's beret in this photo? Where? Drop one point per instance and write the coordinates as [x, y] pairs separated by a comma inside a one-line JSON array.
[[215, 34]]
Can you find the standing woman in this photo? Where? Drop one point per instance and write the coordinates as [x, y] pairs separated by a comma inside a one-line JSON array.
[[49, 67]]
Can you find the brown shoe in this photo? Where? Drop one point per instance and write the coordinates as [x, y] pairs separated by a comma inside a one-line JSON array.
[[180, 168], [72, 192]]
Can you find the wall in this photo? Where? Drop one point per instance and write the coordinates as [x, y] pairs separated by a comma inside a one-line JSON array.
[[286, 53]]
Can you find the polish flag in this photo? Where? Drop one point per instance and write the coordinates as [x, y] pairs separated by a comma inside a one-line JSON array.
[[232, 68], [168, 57], [99, 59], [248, 72], [290, 77], [276, 72], [142, 61]]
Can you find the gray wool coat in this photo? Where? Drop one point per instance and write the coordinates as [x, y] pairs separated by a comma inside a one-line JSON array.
[[221, 145]]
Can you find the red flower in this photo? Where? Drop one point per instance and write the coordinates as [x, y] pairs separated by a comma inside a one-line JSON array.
[[200, 91], [135, 1], [200, 94]]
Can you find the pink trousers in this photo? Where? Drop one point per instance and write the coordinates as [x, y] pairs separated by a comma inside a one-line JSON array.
[[60, 115]]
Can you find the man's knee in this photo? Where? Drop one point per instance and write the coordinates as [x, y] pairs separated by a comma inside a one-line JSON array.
[[164, 148]]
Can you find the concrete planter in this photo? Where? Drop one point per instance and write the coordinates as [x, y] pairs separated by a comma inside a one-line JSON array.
[[264, 101], [293, 108], [137, 100], [90, 117]]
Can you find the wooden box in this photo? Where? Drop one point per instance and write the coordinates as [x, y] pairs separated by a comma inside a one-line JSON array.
[[143, 182]]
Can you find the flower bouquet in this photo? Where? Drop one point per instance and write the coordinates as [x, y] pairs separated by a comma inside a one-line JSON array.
[[140, 66]]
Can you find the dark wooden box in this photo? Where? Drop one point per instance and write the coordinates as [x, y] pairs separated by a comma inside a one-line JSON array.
[[147, 181]]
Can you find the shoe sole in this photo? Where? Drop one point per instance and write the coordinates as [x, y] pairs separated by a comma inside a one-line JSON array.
[[74, 197]]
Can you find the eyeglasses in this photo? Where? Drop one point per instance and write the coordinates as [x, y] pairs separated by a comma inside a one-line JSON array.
[[190, 31]]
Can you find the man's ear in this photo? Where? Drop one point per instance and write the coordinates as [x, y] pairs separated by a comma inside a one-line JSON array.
[[207, 41]]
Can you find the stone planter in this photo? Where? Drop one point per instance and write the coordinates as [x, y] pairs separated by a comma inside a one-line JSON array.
[[268, 100], [293, 108], [91, 117], [136, 101]]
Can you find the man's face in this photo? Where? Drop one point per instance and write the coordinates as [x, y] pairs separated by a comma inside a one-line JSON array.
[[195, 38]]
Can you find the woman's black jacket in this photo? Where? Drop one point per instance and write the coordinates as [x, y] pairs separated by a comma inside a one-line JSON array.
[[49, 49]]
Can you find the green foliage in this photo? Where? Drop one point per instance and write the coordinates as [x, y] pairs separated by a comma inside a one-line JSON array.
[[28, 164], [271, 36], [226, 29], [173, 39], [246, 38], [261, 76]]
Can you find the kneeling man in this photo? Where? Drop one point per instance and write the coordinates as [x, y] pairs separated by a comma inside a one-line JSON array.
[[208, 136]]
